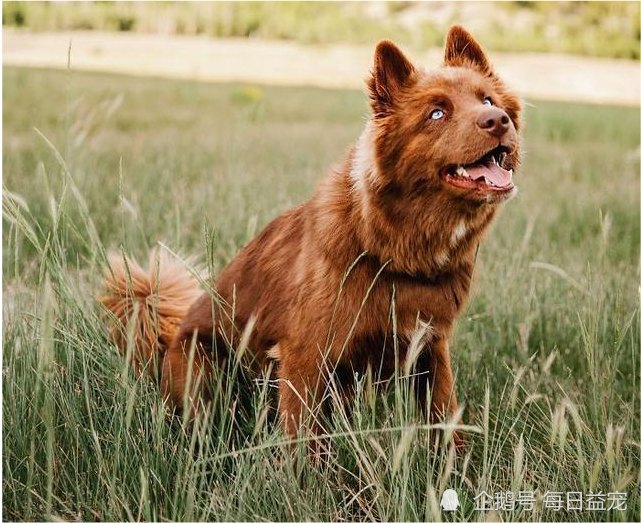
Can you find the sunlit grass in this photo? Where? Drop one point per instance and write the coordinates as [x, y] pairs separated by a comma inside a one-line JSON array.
[[546, 355]]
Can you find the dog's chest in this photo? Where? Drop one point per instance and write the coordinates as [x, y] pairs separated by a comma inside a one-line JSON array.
[[437, 301]]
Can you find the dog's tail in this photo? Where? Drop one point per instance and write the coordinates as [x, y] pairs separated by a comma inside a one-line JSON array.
[[148, 306]]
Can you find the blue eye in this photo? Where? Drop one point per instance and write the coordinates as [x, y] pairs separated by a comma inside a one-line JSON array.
[[437, 114], [487, 101]]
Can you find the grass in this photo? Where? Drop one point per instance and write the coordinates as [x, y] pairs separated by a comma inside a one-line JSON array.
[[546, 354]]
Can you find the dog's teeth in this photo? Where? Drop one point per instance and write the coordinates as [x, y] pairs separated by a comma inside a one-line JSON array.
[[511, 172], [460, 170], [465, 174], [493, 159]]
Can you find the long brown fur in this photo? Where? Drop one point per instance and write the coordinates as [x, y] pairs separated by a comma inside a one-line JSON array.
[[148, 304], [382, 235]]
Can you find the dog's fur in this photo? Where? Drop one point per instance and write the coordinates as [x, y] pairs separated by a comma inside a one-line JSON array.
[[385, 233]]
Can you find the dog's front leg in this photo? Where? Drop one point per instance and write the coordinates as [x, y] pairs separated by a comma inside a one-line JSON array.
[[444, 400], [434, 369]]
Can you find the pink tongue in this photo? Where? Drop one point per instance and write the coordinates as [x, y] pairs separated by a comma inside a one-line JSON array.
[[492, 173]]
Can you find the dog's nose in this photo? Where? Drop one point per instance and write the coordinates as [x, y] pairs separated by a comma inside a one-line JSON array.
[[494, 120]]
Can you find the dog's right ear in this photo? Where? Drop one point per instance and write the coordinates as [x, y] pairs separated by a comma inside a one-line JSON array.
[[392, 71]]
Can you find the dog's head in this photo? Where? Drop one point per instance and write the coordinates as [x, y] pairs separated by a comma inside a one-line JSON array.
[[452, 130]]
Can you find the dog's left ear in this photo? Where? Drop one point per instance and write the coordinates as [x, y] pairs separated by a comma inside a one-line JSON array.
[[461, 50], [391, 73]]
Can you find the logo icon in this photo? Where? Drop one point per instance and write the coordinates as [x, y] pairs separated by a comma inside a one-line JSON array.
[[449, 501]]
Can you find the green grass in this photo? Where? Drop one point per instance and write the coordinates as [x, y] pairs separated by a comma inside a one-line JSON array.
[[546, 354]]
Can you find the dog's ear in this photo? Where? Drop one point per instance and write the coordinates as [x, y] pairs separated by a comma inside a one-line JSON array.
[[392, 71], [461, 50]]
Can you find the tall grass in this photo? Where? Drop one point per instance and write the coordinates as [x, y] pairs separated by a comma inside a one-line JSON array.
[[546, 356]]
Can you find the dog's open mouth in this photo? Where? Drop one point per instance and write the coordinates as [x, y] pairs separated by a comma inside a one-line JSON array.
[[485, 174]]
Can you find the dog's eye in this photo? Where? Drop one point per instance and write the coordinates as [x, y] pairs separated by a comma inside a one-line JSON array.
[[437, 114], [487, 101]]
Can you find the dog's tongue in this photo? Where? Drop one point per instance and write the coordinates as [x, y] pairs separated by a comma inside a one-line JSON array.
[[492, 172]]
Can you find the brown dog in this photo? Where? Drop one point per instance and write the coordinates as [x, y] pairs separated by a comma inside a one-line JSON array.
[[392, 232]]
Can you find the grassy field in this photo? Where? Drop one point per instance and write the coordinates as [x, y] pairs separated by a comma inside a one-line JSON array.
[[546, 355]]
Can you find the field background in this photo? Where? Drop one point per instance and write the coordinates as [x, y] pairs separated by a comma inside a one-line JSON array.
[[609, 29], [546, 356]]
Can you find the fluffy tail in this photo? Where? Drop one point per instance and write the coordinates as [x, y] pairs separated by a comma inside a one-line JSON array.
[[148, 304]]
